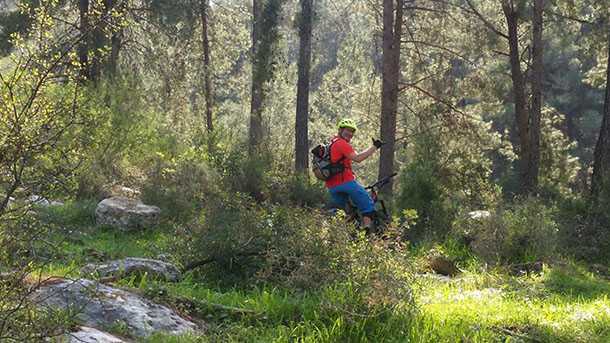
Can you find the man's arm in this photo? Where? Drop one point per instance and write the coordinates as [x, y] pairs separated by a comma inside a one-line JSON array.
[[361, 156]]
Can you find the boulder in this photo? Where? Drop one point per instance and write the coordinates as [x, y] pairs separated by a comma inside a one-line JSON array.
[[442, 265], [44, 202], [126, 214], [102, 306], [91, 335], [134, 265], [520, 269], [479, 214], [118, 190]]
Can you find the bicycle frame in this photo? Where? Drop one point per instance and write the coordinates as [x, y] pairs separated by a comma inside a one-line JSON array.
[[379, 219]]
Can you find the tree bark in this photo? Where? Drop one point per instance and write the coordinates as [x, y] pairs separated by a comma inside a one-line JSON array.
[[392, 30], [302, 111], [536, 104], [601, 159], [521, 113], [205, 5], [83, 48], [115, 42], [265, 34], [99, 41], [256, 101], [115, 48]]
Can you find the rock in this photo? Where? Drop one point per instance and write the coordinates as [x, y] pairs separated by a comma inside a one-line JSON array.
[[118, 190], [7, 6], [41, 201], [126, 214], [10, 203], [442, 265], [134, 265], [479, 214], [600, 269], [520, 269], [91, 335], [101, 306]]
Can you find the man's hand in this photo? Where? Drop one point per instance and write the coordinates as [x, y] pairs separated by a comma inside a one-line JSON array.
[[377, 143]]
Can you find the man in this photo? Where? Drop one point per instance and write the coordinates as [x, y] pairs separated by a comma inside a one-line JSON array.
[[343, 185]]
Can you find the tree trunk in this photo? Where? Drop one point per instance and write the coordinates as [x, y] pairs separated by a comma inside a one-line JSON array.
[[205, 5], [256, 101], [115, 47], [99, 41], [265, 34], [521, 113], [83, 48], [115, 42], [536, 105], [302, 115], [601, 159], [392, 30]]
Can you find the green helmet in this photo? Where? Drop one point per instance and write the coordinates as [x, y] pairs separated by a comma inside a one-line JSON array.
[[347, 123]]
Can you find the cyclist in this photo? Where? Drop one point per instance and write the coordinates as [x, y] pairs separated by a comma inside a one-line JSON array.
[[343, 185]]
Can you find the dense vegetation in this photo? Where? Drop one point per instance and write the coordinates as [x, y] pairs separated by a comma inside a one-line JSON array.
[[208, 109]]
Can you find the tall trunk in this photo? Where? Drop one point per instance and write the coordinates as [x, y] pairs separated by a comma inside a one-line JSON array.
[[115, 41], [536, 105], [302, 115], [521, 113], [265, 34], [99, 40], [392, 30], [205, 5], [83, 48], [256, 102], [115, 47], [601, 162]]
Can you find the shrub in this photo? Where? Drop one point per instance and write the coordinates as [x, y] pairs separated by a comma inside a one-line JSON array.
[[250, 241], [73, 214], [584, 227], [300, 191], [180, 186], [422, 191], [239, 240], [245, 174], [523, 231]]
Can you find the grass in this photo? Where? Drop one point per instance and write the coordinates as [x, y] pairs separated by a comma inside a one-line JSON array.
[[565, 303]]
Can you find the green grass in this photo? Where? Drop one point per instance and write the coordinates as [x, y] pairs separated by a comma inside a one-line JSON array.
[[563, 304]]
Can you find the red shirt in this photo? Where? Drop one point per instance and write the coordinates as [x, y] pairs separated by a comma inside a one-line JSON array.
[[341, 149]]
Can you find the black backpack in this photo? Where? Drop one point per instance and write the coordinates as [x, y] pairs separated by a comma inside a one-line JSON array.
[[322, 168]]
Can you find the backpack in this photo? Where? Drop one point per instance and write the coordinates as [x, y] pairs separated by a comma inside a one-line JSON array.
[[322, 168]]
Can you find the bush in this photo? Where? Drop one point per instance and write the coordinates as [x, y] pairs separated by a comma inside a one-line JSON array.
[[76, 214], [300, 191], [584, 227], [244, 174], [248, 241], [523, 231], [180, 186], [421, 190], [241, 241]]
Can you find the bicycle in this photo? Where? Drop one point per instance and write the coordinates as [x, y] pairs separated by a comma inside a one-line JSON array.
[[381, 217]]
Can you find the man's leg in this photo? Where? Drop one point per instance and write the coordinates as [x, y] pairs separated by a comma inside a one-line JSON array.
[[362, 200], [339, 198]]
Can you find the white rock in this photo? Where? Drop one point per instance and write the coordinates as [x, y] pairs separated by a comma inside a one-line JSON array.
[[126, 214], [91, 335], [134, 265], [41, 201], [98, 305], [480, 214], [38, 200]]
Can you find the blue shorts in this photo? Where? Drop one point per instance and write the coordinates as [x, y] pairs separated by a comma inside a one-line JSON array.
[[354, 191]]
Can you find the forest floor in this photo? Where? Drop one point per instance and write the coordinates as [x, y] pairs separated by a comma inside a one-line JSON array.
[[564, 303]]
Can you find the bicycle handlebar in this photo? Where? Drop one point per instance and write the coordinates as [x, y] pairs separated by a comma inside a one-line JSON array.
[[382, 182]]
